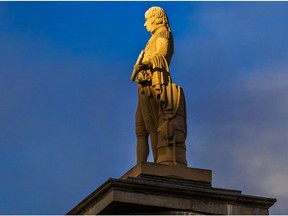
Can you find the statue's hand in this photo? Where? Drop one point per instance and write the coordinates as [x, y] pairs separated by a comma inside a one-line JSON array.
[[143, 66], [141, 76], [146, 65], [137, 67], [144, 77]]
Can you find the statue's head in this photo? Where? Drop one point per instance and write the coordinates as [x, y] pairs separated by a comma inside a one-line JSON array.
[[154, 17]]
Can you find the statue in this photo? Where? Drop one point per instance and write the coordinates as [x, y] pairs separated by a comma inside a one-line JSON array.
[[161, 109]]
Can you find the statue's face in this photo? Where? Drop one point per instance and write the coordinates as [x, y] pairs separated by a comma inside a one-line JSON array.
[[149, 24]]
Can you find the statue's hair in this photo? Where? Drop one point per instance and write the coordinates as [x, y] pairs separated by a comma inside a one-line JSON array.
[[159, 15]]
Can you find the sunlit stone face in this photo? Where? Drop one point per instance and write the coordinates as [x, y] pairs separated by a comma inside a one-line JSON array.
[[149, 24]]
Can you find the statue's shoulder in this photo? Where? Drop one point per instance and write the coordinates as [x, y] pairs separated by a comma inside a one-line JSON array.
[[164, 34]]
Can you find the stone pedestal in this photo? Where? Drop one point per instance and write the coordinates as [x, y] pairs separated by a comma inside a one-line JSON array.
[[151, 188]]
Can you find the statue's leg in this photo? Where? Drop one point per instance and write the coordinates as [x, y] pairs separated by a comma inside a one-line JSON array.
[[151, 121], [142, 137], [154, 141], [147, 114], [150, 127]]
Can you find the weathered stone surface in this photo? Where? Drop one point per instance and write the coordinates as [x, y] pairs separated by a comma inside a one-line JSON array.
[[156, 194], [180, 172]]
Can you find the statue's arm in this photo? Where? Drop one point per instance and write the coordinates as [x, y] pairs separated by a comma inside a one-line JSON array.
[[159, 63], [159, 58], [162, 45]]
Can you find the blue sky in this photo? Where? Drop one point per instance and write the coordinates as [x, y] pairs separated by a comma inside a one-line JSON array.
[[67, 105]]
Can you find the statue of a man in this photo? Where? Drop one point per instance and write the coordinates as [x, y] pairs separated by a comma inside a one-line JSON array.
[[161, 110]]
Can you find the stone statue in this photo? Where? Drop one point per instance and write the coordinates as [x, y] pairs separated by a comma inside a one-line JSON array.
[[161, 110]]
